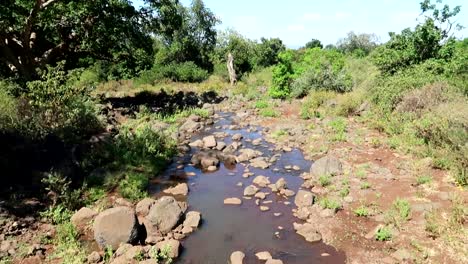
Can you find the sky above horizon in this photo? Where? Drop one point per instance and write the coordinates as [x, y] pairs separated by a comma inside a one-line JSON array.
[[298, 21]]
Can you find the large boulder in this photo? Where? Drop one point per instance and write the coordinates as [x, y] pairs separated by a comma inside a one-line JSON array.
[[81, 218], [143, 207], [209, 142], [163, 216], [114, 226], [327, 165], [304, 198]]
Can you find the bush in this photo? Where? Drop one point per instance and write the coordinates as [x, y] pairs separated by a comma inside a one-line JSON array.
[[133, 186], [383, 234], [309, 107], [282, 75], [177, 72], [8, 108]]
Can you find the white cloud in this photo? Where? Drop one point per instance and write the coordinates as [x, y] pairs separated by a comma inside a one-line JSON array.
[[296, 28], [342, 15], [312, 17]]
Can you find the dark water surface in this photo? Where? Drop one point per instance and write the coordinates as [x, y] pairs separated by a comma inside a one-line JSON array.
[[228, 228]]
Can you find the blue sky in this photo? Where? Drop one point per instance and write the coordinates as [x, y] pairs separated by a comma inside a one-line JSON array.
[[298, 21]]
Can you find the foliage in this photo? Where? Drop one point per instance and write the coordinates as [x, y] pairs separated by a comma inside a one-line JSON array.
[[162, 256], [328, 203], [57, 214], [133, 186], [321, 70], [383, 234], [359, 45], [314, 43], [325, 180], [399, 212], [267, 52], [424, 179], [338, 127], [309, 108], [269, 112], [261, 104], [59, 188], [177, 72], [282, 75], [361, 211]]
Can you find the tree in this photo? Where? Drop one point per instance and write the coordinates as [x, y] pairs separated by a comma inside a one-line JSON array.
[[36, 33], [442, 17], [314, 43], [360, 44], [268, 50]]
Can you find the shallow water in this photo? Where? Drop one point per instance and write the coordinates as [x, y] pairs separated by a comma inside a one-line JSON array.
[[228, 228]]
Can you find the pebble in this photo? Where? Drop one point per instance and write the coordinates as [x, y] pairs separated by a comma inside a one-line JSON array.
[[277, 214], [232, 201], [264, 208]]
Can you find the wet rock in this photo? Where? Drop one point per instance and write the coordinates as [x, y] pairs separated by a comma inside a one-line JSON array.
[[261, 181], [179, 189], [232, 201], [287, 192], [248, 154], [250, 190], [114, 226], [327, 165], [257, 141], [308, 231], [277, 214], [281, 184], [274, 261], [220, 145], [212, 168], [296, 168], [264, 255], [171, 245], [81, 218], [196, 144], [259, 162], [163, 216], [192, 219], [304, 198], [237, 257], [94, 257], [264, 208], [260, 195], [237, 137], [209, 161], [209, 142], [143, 207]]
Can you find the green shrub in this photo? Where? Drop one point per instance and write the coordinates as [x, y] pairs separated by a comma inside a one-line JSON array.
[[269, 112], [282, 75], [338, 127], [383, 234], [309, 107], [325, 180], [178, 72], [261, 104], [133, 186], [328, 203], [321, 70], [424, 179], [361, 211]]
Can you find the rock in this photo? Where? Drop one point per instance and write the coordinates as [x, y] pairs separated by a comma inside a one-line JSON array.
[[209, 142], [196, 144], [143, 207], [326, 213], [232, 201], [179, 189], [237, 257], [264, 255], [171, 245], [212, 168], [308, 231], [207, 162], [371, 234], [327, 165], [190, 126], [163, 216], [277, 214], [260, 195], [250, 190], [281, 184], [274, 261], [296, 168], [259, 162], [248, 154], [257, 141], [192, 219], [303, 213], [304, 198], [94, 257], [81, 218], [31, 260], [220, 145], [236, 137], [261, 181], [287, 192], [264, 208], [123, 202], [114, 226]]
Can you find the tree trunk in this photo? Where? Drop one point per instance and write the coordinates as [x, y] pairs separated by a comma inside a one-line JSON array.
[[232, 72]]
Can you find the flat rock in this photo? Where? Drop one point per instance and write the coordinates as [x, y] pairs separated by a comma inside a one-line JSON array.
[[179, 189], [233, 201], [264, 255]]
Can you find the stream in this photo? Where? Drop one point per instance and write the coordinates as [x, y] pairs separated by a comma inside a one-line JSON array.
[[228, 228]]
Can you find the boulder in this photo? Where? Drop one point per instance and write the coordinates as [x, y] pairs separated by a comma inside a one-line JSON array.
[[250, 190], [143, 207], [308, 231], [236, 137], [209, 142], [179, 189], [191, 126], [304, 198], [281, 184], [163, 216], [220, 145], [192, 219], [259, 162], [237, 257], [94, 257], [196, 144], [327, 165], [81, 218], [207, 162], [261, 181], [171, 246], [114, 226], [264, 255]]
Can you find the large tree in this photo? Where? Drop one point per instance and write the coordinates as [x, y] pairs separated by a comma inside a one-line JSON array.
[[35, 33]]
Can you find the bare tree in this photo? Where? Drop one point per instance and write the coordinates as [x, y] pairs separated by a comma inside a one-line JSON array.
[[232, 72]]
